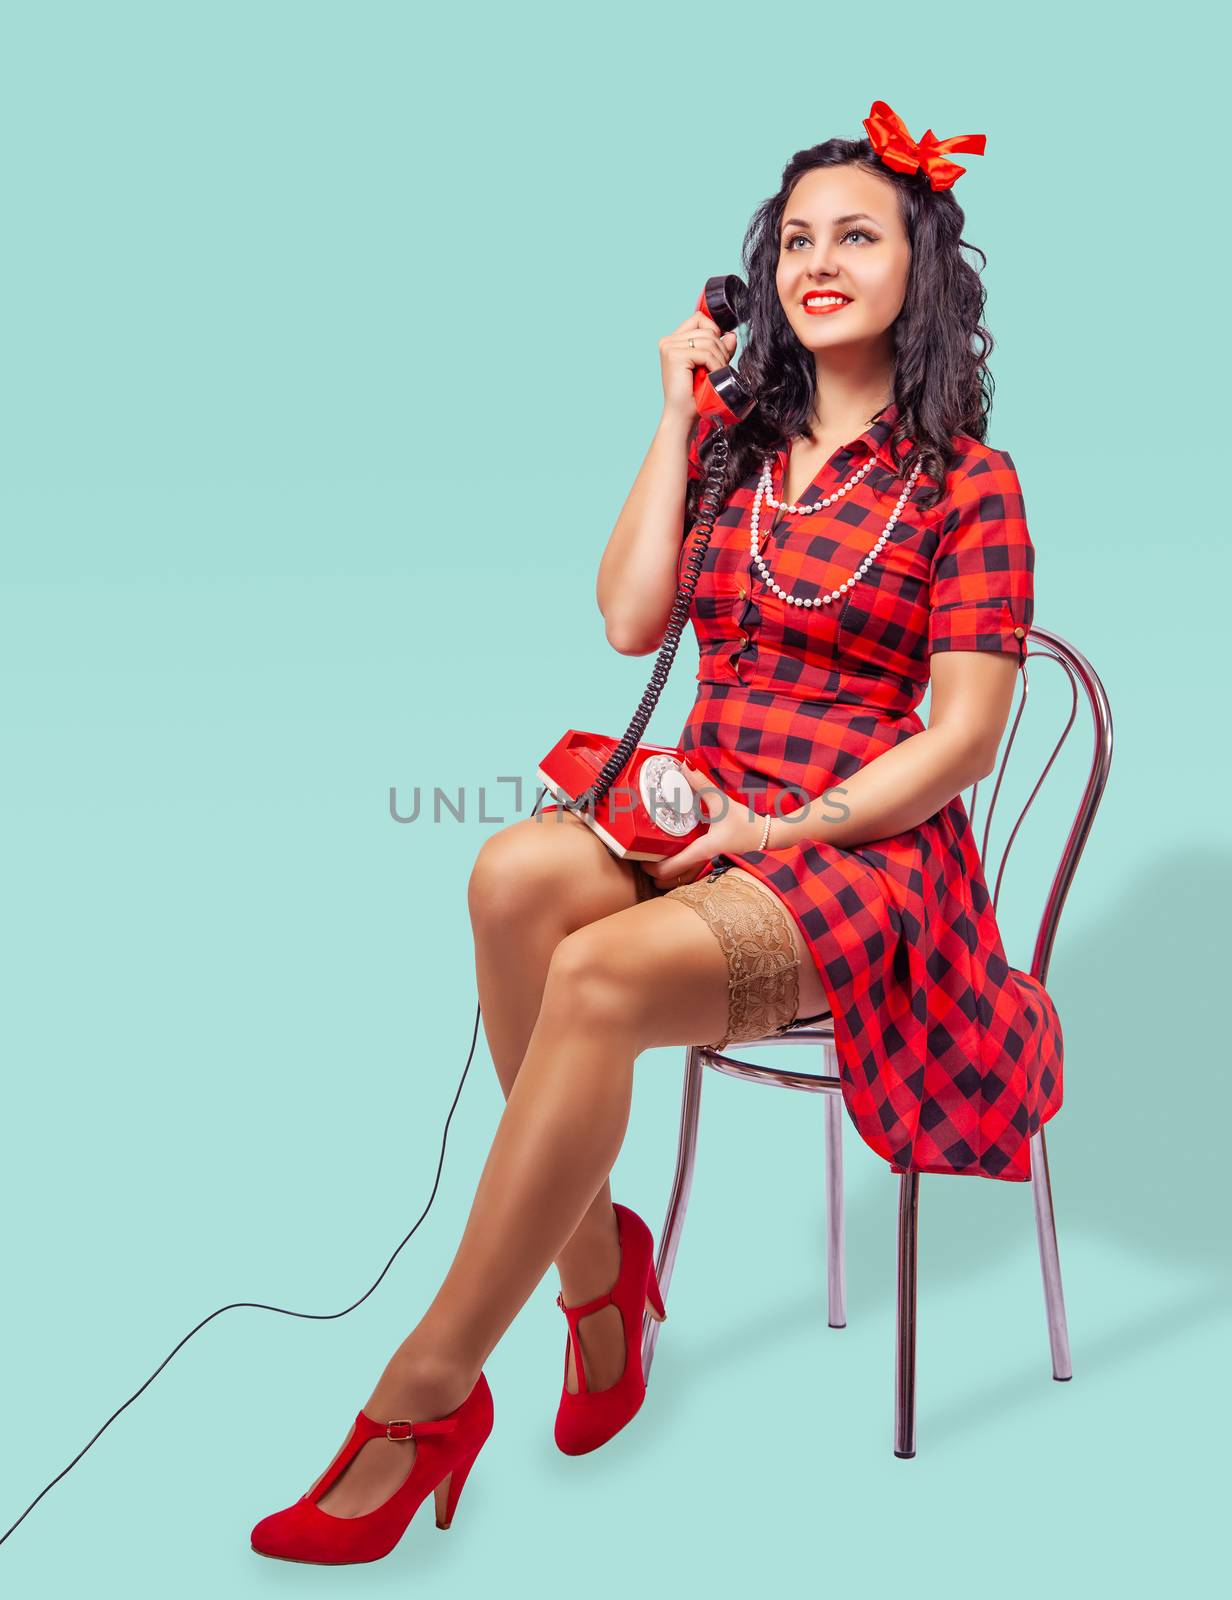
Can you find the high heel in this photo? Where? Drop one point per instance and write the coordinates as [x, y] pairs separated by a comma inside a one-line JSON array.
[[445, 1452], [449, 1491], [589, 1418]]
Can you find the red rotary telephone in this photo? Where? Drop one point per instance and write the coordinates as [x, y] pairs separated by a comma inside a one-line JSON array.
[[654, 812]]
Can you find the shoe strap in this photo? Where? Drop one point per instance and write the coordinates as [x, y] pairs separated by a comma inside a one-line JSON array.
[[573, 1315], [367, 1428]]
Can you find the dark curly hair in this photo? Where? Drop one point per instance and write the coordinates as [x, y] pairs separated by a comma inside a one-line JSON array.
[[942, 385]]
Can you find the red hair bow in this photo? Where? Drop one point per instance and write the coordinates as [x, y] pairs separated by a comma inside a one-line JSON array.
[[889, 138]]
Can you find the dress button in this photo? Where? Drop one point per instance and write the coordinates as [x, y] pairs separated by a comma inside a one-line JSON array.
[[1019, 632]]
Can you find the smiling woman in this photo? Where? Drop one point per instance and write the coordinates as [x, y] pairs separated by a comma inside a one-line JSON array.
[[863, 272], [866, 531], [871, 544], [844, 224]]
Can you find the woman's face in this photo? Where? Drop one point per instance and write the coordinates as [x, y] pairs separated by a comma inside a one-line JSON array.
[[841, 232]]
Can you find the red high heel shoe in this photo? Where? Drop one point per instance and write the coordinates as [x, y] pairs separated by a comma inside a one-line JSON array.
[[445, 1451], [589, 1418]]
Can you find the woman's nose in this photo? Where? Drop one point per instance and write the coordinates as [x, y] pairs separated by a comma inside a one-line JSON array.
[[821, 268]]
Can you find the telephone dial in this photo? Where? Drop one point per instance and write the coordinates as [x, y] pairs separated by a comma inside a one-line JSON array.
[[654, 812]]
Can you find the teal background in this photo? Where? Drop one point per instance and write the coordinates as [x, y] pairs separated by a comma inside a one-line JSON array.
[[330, 353]]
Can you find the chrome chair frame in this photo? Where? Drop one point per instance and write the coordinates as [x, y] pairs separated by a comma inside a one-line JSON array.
[[1082, 675]]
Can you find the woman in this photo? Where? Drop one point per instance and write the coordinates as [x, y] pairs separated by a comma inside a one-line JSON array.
[[847, 880]]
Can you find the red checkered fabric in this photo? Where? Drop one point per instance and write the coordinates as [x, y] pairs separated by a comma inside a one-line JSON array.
[[950, 1059]]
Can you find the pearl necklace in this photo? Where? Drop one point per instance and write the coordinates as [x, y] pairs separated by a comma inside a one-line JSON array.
[[818, 505], [765, 487]]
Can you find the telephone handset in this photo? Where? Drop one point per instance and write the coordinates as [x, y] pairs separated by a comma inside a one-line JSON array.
[[655, 813], [725, 301]]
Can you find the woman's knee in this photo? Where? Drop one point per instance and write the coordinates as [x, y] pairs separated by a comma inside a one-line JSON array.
[[591, 983], [547, 865], [512, 872]]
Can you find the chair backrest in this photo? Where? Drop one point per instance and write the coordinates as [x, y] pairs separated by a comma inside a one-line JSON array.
[[1081, 675]]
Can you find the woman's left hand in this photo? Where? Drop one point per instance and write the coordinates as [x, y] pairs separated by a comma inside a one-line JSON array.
[[732, 832]]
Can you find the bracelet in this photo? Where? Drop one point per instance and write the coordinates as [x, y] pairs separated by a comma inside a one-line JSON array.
[[765, 832]]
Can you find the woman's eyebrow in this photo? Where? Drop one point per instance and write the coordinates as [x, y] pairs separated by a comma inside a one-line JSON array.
[[851, 216]]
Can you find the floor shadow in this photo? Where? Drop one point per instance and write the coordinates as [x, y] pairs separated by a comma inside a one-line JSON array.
[[1103, 1357]]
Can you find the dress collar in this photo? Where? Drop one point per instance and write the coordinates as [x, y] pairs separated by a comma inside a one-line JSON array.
[[876, 436]]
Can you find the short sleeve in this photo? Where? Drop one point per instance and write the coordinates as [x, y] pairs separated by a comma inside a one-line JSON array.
[[982, 585]]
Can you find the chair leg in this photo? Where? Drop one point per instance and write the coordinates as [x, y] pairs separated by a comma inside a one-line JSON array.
[[836, 1266], [682, 1182], [1050, 1261], [904, 1388]]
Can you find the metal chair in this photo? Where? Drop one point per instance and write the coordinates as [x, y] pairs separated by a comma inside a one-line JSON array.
[[1080, 675]]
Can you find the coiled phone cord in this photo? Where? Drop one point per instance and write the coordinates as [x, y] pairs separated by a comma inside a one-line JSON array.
[[667, 651], [702, 529]]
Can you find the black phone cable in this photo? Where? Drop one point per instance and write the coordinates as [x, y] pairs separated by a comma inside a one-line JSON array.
[[316, 1316]]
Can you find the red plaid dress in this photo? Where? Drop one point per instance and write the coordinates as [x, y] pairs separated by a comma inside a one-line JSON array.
[[950, 1059]]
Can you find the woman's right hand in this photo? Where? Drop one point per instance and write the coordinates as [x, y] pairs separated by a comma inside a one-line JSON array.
[[678, 360]]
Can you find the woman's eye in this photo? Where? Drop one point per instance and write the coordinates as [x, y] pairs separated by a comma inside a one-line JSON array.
[[860, 232]]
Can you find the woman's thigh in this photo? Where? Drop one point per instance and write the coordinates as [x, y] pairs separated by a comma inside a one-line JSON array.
[[707, 963], [652, 973], [813, 998]]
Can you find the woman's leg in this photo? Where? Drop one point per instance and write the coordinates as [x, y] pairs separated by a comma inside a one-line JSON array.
[[651, 974], [532, 883]]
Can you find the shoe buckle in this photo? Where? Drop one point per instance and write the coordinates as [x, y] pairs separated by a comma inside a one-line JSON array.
[[399, 1424]]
